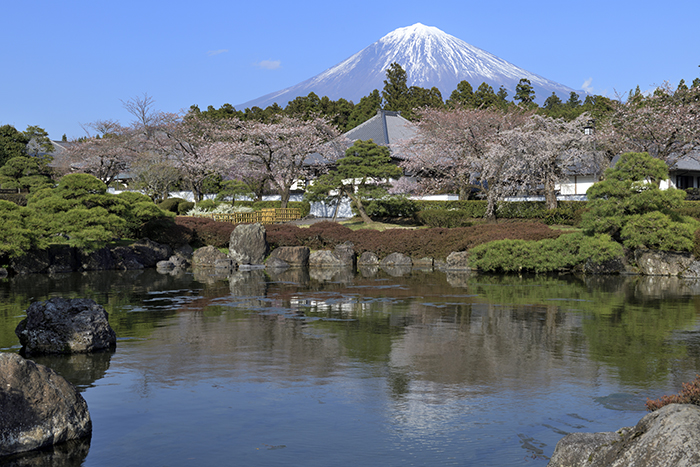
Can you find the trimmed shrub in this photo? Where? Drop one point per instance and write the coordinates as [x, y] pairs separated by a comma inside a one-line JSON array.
[[133, 197], [207, 231], [445, 219], [168, 231], [171, 204], [564, 252], [657, 231], [391, 206], [206, 204], [184, 207]]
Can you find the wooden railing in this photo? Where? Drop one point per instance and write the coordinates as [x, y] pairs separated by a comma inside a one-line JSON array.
[[264, 216]]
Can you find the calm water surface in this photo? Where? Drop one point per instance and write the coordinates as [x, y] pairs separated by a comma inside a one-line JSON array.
[[332, 368]]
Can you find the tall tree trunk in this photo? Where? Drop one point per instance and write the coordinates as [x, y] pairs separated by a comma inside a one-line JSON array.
[[491, 200], [360, 208], [550, 194], [284, 199], [337, 206]]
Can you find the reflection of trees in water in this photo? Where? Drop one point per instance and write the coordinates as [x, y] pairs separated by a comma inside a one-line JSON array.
[[628, 321]]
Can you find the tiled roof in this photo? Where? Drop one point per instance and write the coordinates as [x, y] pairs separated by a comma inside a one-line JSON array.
[[385, 128]]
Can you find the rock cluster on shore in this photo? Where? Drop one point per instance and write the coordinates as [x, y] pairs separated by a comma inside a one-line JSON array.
[[666, 437]]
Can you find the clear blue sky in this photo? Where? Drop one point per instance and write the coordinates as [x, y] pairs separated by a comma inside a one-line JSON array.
[[72, 62]]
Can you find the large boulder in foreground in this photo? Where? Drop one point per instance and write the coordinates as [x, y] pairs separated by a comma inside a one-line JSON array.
[[63, 326], [248, 244], [38, 407], [669, 436]]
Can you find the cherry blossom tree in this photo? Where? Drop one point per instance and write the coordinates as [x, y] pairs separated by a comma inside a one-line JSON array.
[[548, 149], [285, 151], [665, 124], [198, 147], [104, 154], [458, 150]]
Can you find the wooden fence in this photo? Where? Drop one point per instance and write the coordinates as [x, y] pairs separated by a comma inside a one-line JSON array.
[[264, 216]]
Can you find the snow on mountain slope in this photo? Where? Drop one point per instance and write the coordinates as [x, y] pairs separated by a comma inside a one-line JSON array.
[[430, 57]]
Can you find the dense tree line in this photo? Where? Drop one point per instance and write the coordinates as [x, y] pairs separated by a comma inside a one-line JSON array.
[[475, 142]]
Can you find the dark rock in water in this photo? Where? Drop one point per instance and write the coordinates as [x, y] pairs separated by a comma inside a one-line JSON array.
[[248, 244], [295, 256], [458, 260], [669, 436], [59, 325], [396, 259], [149, 252], [126, 258], [38, 407], [32, 262], [62, 259], [346, 253], [368, 258], [3, 273], [613, 266], [98, 260], [207, 256]]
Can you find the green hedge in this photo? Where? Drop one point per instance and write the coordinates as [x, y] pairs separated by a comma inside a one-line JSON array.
[[549, 255], [460, 213]]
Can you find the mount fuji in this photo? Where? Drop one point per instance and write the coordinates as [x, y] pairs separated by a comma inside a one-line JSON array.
[[430, 58]]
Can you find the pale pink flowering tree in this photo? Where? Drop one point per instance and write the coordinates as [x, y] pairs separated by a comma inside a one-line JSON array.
[[285, 151], [665, 124], [104, 154], [547, 150], [198, 147], [458, 150]]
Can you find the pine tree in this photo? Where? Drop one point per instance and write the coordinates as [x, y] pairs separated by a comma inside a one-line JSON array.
[[395, 93], [524, 92]]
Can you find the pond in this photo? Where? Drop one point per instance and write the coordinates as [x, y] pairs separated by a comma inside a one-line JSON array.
[[327, 367]]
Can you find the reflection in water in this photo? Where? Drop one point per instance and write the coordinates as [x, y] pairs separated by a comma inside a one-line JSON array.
[[68, 454], [80, 369], [425, 368]]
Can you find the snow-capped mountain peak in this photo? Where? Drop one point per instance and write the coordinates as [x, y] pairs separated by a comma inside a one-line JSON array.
[[430, 58]]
